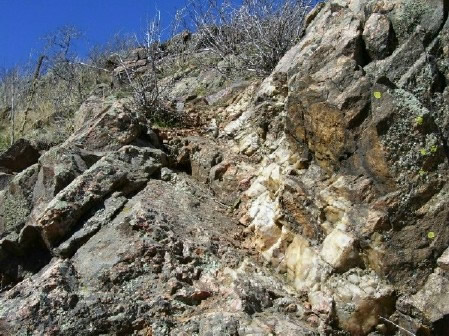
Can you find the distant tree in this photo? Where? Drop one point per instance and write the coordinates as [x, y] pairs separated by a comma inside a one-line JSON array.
[[59, 51], [57, 61], [11, 89], [32, 90], [146, 88]]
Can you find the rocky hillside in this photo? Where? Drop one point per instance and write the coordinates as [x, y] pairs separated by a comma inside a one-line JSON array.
[[313, 202]]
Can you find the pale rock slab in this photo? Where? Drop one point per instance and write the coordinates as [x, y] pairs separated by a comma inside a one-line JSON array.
[[377, 36], [433, 299], [443, 261], [339, 250], [305, 267]]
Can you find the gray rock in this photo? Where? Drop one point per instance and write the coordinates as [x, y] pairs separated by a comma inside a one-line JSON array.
[[126, 170], [378, 36], [443, 261], [151, 263], [335, 166], [432, 300], [4, 180]]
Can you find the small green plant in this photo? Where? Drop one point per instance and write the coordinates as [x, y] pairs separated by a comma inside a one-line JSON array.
[[423, 151], [434, 149], [419, 120], [120, 94], [422, 172], [201, 91]]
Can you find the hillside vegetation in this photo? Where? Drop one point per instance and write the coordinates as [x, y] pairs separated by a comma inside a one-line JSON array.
[[38, 100], [217, 183]]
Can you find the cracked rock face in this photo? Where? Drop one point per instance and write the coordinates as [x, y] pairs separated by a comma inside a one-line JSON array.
[[112, 241], [361, 179], [313, 202]]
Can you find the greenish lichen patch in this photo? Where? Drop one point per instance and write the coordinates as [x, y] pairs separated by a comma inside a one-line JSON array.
[[409, 15], [59, 205], [14, 211], [407, 101], [15, 202], [413, 146]]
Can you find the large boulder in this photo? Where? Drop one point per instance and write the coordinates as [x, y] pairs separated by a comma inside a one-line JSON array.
[[16, 201], [105, 125], [361, 299], [126, 170], [378, 36], [18, 157], [432, 299]]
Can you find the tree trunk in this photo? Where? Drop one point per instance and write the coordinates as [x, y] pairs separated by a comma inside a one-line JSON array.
[[32, 92], [13, 112]]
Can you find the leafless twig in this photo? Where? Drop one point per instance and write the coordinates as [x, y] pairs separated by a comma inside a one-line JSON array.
[[251, 37], [397, 326]]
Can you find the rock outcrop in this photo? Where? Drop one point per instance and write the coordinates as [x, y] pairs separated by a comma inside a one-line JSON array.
[[312, 202], [101, 236], [359, 179], [18, 157]]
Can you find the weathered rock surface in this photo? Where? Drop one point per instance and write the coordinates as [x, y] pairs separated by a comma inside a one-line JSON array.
[[164, 263], [358, 179], [378, 36], [312, 202], [27, 199], [443, 261], [4, 180], [111, 241], [432, 299], [18, 157]]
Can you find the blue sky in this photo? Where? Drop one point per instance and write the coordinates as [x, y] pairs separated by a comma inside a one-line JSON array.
[[24, 22]]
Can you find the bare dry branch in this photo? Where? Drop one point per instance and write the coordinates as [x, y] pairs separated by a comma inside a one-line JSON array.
[[252, 37], [397, 326]]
